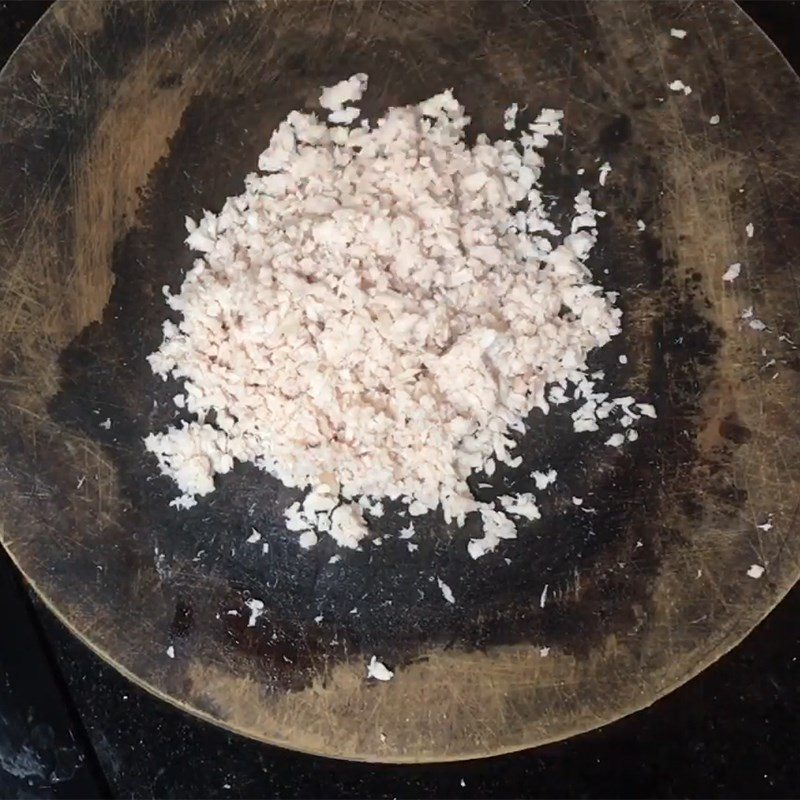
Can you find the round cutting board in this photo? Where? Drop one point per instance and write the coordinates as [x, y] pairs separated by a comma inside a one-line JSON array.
[[116, 120]]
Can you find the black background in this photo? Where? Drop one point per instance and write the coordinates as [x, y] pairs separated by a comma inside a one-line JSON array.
[[70, 726]]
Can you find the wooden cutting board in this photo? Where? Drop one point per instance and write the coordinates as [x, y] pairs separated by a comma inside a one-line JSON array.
[[116, 120]]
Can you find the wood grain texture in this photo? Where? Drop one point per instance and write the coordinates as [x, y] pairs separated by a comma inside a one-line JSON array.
[[118, 119]]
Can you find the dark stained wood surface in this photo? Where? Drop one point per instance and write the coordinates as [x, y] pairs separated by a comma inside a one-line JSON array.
[[103, 151]]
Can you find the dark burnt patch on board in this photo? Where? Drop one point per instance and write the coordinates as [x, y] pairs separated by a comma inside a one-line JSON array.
[[732, 429], [614, 135]]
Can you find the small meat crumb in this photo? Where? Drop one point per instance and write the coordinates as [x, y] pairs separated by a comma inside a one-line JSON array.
[[680, 86], [347, 526], [510, 117], [521, 505], [307, 540], [732, 273], [447, 592], [351, 90], [256, 610], [378, 670], [647, 410], [408, 531], [544, 479], [344, 116], [543, 596]]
